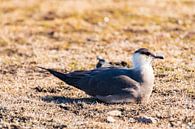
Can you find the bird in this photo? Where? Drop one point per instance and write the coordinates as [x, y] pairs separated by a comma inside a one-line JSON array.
[[103, 63], [116, 84]]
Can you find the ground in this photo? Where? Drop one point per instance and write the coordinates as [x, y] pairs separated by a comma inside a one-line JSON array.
[[68, 35]]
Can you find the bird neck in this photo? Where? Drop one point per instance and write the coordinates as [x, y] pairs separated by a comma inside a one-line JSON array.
[[143, 66], [147, 77], [146, 72]]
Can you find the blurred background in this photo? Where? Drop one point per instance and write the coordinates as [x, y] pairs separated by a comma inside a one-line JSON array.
[[36, 28]]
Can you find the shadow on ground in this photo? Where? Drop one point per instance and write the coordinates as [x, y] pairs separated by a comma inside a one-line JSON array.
[[61, 99]]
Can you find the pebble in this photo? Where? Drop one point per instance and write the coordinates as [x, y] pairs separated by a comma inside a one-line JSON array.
[[110, 119], [147, 120], [132, 120], [114, 113], [106, 19]]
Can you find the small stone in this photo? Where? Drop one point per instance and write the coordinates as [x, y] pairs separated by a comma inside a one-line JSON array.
[[110, 119], [147, 120], [106, 19], [132, 120], [114, 113]]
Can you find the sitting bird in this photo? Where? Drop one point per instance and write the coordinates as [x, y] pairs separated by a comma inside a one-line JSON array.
[[116, 84], [102, 63]]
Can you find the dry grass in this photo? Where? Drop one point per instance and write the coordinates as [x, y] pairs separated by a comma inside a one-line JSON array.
[[68, 35]]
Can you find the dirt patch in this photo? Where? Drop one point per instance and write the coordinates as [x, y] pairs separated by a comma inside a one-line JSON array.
[[68, 36]]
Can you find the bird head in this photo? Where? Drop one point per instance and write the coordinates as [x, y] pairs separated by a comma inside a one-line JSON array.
[[144, 56]]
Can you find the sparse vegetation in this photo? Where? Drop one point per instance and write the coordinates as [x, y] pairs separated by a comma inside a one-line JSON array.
[[68, 35]]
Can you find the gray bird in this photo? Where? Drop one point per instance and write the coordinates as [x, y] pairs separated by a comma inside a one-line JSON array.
[[116, 84]]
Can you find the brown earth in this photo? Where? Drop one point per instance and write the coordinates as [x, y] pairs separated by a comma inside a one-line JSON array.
[[68, 35]]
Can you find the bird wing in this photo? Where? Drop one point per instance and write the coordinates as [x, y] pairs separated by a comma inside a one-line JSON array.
[[109, 82]]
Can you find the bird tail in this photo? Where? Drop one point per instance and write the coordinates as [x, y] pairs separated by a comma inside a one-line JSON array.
[[71, 80], [59, 75]]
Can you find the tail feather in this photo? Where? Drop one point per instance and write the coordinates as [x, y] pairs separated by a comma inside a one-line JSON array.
[[64, 77], [59, 75]]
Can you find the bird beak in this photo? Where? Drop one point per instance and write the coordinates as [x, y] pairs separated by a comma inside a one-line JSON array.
[[158, 56]]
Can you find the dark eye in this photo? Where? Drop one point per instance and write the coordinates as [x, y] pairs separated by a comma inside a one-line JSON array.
[[147, 53]]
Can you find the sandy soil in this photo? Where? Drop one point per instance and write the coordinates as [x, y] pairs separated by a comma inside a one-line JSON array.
[[68, 35]]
